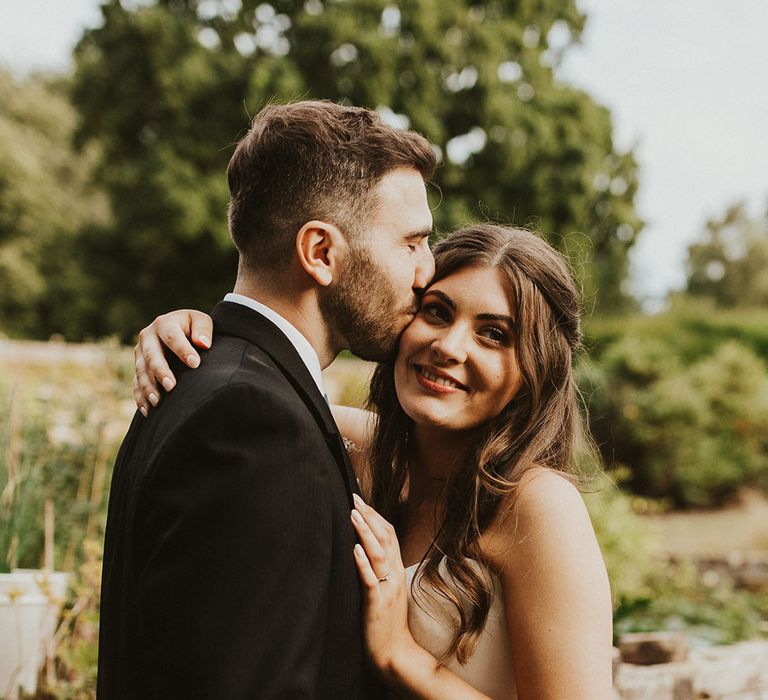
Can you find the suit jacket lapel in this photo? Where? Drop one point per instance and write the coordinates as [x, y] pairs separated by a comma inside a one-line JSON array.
[[239, 320]]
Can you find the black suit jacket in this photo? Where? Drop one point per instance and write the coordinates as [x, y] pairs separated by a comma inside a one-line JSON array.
[[228, 564]]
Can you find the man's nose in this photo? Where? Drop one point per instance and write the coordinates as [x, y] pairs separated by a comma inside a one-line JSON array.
[[425, 268]]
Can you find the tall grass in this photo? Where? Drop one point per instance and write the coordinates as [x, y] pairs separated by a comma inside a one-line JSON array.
[[64, 415], [64, 412]]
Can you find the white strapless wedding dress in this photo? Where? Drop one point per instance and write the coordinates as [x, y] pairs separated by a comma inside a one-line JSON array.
[[489, 669]]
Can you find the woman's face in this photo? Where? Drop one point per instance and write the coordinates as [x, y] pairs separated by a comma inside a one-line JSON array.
[[456, 367]]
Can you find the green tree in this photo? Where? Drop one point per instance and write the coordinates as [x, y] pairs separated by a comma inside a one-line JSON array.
[[46, 201], [166, 88], [729, 266]]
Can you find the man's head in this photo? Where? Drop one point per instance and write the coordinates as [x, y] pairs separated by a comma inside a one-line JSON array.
[[341, 168], [376, 295]]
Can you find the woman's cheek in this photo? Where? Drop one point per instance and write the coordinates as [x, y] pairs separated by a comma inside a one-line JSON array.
[[412, 332]]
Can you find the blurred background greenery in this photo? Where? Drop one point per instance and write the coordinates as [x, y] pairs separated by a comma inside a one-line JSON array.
[[112, 209]]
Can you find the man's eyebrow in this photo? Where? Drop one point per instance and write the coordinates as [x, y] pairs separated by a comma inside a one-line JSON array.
[[421, 233]]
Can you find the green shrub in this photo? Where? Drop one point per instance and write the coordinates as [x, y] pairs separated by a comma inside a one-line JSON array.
[[674, 597], [651, 592], [690, 330], [693, 434], [625, 540]]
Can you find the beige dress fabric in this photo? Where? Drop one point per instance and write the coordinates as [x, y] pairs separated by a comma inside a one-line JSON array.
[[431, 621]]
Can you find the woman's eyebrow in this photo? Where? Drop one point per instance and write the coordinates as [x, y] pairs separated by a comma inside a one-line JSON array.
[[480, 317], [442, 296], [496, 317]]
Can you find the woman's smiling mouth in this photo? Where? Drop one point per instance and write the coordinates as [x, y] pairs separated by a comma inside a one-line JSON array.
[[437, 381]]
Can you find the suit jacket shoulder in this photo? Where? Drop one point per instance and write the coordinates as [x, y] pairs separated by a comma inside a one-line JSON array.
[[228, 568]]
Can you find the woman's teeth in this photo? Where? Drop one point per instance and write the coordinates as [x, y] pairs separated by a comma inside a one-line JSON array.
[[442, 381]]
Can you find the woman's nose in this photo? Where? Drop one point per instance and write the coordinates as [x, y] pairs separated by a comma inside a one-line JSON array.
[[450, 346]]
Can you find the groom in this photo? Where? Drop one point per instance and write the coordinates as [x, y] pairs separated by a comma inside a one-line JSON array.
[[228, 562]]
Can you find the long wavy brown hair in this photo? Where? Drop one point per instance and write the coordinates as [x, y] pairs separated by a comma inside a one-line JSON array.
[[540, 427]]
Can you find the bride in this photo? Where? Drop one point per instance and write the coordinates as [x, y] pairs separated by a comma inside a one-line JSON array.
[[480, 567]]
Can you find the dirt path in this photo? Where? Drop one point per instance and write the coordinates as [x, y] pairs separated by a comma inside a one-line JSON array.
[[743, 527]]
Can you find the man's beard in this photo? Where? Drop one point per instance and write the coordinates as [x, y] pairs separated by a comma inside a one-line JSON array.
[[363, 310]]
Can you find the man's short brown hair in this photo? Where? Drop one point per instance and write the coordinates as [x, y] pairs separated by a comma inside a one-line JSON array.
[[311, 160]]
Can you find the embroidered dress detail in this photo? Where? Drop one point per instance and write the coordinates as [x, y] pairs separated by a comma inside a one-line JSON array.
[[350, 445]]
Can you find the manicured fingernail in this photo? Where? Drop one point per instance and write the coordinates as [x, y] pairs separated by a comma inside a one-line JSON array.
[[358, 501], [154, 398], [167, 383], [359, 550], [143, 411], [357, 517], [192, 360], [204, 340]]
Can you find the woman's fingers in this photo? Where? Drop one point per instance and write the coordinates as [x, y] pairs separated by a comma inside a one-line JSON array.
[[380, 527], [172, 330], [149, 369], [384, 585], [138, 396], [373, 549], [145, 390], [201, 326], [367, 574]]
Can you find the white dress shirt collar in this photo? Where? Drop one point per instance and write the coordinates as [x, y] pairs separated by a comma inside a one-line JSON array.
[[302, 345]]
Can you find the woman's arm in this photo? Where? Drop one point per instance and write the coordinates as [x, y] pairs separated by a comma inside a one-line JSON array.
[[405, 666], [173, 331], [355, 424], [356, 427], [556, 592]]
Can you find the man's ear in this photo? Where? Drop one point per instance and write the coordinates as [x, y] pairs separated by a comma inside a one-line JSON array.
[[320, 247]]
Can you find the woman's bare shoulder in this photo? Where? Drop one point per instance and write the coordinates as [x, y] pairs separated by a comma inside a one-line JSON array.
[[556, 593], [544, 490], [544, 508]]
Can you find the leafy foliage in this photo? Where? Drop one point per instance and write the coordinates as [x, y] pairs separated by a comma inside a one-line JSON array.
[[653, 592], [729, 266], [166, 88], [625, 542], [690, 330], [46, 202], [674, 597], [686, 412]]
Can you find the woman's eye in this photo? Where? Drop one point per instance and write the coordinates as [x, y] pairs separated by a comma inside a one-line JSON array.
[[435, 312], [497, 335]]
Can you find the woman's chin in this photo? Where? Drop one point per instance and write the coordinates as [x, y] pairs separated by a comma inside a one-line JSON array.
[[427, 417]]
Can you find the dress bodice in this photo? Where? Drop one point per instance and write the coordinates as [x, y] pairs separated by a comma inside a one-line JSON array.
[[431, 620]]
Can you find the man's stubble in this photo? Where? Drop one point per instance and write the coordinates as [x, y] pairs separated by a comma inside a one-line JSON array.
[[363, 309]]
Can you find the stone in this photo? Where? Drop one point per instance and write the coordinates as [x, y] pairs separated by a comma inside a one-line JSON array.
[[732, 672], [648, 648]]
